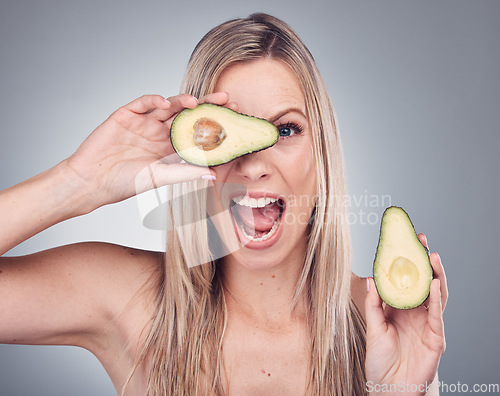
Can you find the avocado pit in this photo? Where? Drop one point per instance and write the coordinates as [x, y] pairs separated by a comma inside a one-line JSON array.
[[403, 273], [208, 134]]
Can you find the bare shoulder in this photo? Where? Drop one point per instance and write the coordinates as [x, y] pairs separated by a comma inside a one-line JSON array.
[[72, 294], [358, 292], [120, 271], [125, 281]]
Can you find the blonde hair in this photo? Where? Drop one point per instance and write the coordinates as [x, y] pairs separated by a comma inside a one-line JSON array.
[[185, 336]]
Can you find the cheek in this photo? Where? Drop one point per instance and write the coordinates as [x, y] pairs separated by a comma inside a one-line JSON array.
[[307, 171], [304, 185], [310, 163], [311, 176]]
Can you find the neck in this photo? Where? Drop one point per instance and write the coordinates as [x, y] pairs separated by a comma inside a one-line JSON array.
[[264, 296]]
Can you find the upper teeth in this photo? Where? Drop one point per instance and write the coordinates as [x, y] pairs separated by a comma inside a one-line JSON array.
[[253, 202]]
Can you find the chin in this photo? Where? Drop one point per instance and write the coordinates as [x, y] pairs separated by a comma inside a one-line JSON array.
[[256, 262]]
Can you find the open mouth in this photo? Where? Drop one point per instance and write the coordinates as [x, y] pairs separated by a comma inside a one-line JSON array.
[[257, 219]]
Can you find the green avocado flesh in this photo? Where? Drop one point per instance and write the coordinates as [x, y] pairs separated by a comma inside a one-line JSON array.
[[210, 135], [402, 269]]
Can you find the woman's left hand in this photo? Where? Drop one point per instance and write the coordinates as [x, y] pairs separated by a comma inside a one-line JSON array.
[[403, 347]]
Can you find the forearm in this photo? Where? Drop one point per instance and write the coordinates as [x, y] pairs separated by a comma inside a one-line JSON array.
[[40, 202]]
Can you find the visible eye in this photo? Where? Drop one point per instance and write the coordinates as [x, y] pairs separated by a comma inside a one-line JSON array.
[[289, 129]]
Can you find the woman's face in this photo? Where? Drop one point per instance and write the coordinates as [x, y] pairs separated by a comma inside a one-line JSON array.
[[285, 174]]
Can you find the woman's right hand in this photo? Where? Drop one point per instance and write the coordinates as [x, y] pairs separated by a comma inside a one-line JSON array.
[[131, 152]]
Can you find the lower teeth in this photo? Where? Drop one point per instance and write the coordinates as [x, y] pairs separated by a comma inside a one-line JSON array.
[[265, 236]]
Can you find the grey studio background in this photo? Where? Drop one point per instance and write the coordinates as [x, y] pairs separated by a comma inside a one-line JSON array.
[[416, 90]]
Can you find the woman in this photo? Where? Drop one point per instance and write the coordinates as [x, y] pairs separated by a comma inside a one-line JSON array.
[[251, 301]]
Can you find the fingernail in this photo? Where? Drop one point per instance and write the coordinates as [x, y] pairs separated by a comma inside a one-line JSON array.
[[367, 285], [208, 177], [166, 100]]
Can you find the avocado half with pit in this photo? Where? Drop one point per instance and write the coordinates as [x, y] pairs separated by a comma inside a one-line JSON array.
[[402, 269], [210, 135]]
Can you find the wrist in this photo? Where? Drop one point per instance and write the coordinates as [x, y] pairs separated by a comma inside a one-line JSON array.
[[73, 194], [40, 202]]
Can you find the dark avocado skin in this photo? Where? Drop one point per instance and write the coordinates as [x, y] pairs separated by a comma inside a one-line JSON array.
[[378, 246], [222, 161]]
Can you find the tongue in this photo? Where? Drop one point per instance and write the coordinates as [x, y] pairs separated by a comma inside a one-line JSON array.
[[259, 219]]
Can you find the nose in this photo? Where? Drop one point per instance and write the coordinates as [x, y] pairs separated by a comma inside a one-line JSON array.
[[254, 167]]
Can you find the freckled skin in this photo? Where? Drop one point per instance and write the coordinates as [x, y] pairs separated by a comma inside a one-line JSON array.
[[267, 89], [260, 327]]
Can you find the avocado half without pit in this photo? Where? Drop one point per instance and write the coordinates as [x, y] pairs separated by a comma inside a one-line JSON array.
[[210, 135], [402, 269]]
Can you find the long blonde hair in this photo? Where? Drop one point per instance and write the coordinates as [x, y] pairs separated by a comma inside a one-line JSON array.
[[185, 337]]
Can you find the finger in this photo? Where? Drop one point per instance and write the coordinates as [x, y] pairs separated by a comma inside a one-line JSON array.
[[423, 239], [164, 174], [437, 267], [375, 318], [148, 103], [221, 99], [182, 101], [179, 103], [217, 98], [161, 114], [435, 318], [233, 106]]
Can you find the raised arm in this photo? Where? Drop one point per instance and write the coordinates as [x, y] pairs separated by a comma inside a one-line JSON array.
[[133, 141], [69, 294], [40, 202]]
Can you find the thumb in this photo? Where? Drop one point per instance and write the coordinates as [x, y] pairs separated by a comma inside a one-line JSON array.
[[159, 174], [164, 174], [374, 312]]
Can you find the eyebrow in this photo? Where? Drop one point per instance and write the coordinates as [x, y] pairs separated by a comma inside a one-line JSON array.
[[285, 112]]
